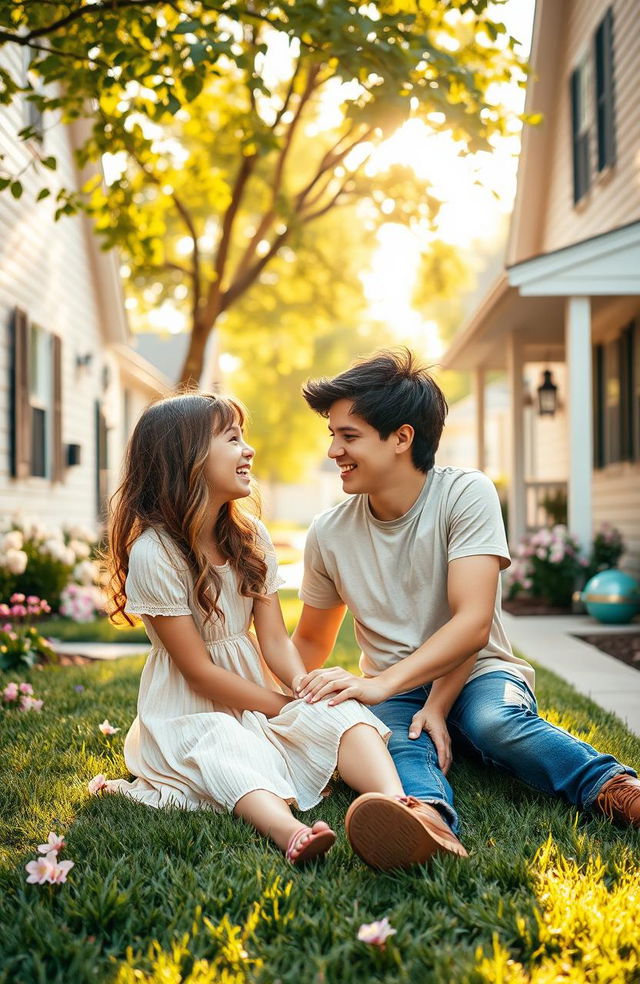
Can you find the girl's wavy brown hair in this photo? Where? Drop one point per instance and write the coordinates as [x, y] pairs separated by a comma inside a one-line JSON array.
[[164, 488]]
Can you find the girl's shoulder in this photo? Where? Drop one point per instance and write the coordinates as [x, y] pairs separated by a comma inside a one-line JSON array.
[[154, 544]]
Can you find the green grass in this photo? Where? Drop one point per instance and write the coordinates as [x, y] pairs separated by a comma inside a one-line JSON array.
[[546, 896], [100, 630]]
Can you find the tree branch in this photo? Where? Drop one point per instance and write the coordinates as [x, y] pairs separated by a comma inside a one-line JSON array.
[[270, 214], [90, 8], [239, 286]]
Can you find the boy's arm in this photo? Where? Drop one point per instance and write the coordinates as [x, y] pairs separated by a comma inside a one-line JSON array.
[[432, 717], [316, 634], [472, 584]]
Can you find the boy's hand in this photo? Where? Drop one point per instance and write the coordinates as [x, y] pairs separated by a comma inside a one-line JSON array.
[[341, 685], [434, 723]]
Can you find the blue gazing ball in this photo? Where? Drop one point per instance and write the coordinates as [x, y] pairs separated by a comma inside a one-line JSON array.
[[612, 596]]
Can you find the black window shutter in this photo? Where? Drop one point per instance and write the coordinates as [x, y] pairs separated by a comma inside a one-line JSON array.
[[20, 424], [605, 99], [580, 140], [57, 464]]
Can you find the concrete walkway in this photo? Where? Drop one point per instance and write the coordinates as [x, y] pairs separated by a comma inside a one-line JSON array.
[[100, 650], [549, 641]]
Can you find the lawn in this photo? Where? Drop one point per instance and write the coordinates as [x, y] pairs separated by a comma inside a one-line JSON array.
[[169, 897]]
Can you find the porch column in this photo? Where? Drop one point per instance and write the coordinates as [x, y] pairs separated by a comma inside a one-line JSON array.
[[478, 388], [580, 417], [517, 491]]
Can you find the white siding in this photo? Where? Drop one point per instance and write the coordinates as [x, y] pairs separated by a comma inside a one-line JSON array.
[[616, 500], [614, 197], [46, 268]]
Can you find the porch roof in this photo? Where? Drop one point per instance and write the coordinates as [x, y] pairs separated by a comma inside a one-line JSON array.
[[529, 298]]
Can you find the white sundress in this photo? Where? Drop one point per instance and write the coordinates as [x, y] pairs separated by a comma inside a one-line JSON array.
[[189, 751]]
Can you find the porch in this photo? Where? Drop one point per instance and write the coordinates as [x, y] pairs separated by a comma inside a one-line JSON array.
[[550, 310]]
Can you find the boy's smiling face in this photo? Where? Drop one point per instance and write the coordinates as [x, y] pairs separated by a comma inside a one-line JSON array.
[[365, 460]]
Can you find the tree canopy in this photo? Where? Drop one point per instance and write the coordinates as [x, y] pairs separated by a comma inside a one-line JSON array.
[[236, 126]]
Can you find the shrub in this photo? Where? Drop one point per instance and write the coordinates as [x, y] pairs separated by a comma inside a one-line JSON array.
[[21, 645], [37, 560], [607, 549], [548, 565]]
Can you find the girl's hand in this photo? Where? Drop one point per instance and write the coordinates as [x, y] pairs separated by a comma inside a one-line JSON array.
[[296, 684], [342, 685]]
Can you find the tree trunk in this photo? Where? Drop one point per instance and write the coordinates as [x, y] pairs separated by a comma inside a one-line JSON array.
[[193, 366]]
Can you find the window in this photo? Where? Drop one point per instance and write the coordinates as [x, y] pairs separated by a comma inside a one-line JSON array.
[[33, 114], [604, 92], [36, 404], [580, 121], [40, 399], [616, 403], [593, 109]]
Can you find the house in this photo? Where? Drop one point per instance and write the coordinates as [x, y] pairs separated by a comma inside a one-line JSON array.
[[569, 294], [71, 385]]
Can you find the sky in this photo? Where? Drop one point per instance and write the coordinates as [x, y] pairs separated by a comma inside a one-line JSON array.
[[471, 211]]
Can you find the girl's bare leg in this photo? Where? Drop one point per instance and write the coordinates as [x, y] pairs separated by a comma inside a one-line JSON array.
[[365, 763], [271, 816]]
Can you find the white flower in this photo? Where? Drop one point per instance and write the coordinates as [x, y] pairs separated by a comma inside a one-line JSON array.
[[12, 540], [80, 549], [16, 561], [85, 572], [376, 933]]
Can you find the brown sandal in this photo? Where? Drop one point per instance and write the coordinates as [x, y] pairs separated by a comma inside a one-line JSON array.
[[398, 831]]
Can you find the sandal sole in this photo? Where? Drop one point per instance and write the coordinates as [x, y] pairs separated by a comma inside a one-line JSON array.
[[385, 834]]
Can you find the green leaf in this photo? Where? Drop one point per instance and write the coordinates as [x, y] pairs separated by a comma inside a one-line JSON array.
[[49, 162], [172, 105], [4, 183], [43, 193], [188, 27], [192, 86], [198, 52], [16, 189]]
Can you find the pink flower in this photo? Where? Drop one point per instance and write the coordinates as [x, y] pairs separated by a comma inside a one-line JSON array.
[[10, 692], [107, 729], [54, 844], [31, 704], [61, 871], [33, 600], [18, 611], [97, 784], [376, 933], [25, 688], [42, 870], [16, 599]]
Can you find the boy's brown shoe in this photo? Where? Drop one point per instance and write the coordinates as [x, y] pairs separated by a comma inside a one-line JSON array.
[[396, 832], [619, 799]]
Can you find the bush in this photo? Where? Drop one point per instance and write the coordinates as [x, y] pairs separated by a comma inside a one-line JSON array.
[[547, 565], [21, 645], [607, 549], [37, 560]]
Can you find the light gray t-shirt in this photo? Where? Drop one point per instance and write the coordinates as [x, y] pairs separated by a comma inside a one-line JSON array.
[[392, 575]]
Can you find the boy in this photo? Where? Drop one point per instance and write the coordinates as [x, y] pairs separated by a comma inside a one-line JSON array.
[[415, 553]]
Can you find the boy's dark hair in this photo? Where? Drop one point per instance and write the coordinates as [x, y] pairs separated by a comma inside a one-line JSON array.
[[388, 389]]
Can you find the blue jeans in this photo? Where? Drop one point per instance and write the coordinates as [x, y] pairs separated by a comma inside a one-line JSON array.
[[495, 716]]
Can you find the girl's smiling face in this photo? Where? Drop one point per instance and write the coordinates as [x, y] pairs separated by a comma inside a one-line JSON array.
[[228, 465]]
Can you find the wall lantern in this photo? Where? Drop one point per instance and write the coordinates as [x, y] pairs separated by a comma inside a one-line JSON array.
[[547, 395]]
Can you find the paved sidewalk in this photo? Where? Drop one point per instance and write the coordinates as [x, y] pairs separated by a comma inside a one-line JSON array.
[[549, 641], [100, 650]]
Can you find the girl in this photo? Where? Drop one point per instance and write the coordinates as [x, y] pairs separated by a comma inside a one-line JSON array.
[[214, 725]]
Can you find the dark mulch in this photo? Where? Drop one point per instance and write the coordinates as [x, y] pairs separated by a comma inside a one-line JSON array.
[[624, 646], [534, 606]]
